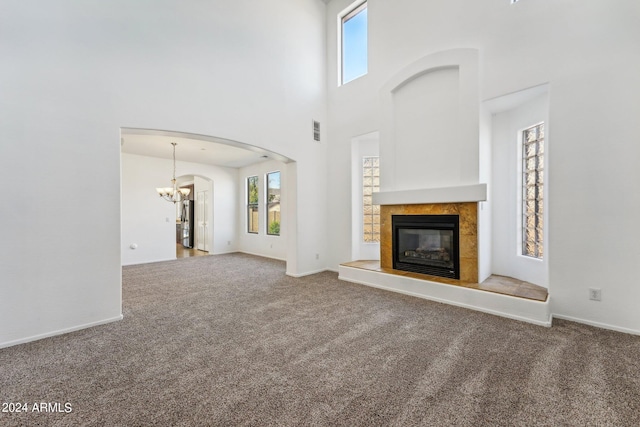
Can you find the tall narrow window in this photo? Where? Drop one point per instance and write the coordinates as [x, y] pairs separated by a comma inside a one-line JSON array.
[[370, 185], [353, 31], [252, 204], [533, 191], [273, 203]]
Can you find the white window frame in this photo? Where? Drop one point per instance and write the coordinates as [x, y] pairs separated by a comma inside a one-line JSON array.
[[352, 10]]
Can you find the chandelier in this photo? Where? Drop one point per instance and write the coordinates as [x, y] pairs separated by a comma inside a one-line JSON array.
[[174, 194]]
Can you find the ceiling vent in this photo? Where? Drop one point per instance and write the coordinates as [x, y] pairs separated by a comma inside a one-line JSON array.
[[316, 131]]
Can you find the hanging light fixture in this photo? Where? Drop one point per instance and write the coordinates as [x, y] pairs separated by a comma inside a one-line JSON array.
[[174, 194]]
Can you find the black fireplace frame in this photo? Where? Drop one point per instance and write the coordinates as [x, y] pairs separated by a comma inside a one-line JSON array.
[[433, 222]]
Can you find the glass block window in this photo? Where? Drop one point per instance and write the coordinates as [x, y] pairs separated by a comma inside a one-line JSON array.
[[273, 203], [533, 191], [354, 42], [370, 185], [252, 204]]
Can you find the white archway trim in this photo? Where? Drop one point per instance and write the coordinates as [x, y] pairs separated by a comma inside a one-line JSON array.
[[169, 133]]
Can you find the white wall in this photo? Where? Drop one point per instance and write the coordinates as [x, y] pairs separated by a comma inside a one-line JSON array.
[[144, 214], [361, 146], [263, 244], [148, 222], [588, 53], [485, 209], [506, 191], [73, 73]]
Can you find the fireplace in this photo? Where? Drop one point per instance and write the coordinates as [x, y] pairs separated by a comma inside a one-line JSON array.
[[427, 244]]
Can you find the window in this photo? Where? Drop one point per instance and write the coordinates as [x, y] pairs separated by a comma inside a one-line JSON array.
[[370, 185], [252, 204], [273, 203], [353, 36], [533, 191]]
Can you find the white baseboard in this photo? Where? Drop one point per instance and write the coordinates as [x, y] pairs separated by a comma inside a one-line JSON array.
[[150, 262], [597, 324], [223, 252], [308, 273], [261, 255], [59, 332]]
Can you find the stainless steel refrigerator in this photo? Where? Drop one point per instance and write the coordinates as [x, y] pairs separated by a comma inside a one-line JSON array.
[[187, 223]]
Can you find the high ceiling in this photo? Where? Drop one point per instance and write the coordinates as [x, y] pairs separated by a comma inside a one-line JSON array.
[[193, 148]]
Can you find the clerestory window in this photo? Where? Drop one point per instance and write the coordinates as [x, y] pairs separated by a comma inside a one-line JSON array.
[[353, 42]]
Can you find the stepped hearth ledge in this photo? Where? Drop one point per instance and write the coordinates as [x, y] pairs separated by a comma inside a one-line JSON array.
[[466, 291], [458, 194]]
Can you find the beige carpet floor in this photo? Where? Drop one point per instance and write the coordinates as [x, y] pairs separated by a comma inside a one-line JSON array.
[[231, 340]]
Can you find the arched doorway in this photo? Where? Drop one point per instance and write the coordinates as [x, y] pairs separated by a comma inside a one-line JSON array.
[[219, 162]]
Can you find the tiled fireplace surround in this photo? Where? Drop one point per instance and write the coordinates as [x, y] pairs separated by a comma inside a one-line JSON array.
[[468, 215]]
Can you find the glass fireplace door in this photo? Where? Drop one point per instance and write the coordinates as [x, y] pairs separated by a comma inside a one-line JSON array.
[[427, 244]]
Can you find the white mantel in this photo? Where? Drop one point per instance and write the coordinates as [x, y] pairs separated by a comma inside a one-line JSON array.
[[458, 194]]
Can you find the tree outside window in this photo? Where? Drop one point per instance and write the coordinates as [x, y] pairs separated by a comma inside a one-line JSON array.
[[252, 204], [273, 203]]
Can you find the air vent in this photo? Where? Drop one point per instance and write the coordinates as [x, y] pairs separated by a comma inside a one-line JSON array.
[[316, 131]]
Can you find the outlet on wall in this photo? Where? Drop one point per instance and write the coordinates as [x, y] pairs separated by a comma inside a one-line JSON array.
[[595, 294]]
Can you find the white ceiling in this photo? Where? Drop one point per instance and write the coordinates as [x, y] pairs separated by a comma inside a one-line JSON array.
[[193, 148]]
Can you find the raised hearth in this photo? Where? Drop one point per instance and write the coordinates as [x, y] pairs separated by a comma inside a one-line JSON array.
[[497, 295], [505, 298]]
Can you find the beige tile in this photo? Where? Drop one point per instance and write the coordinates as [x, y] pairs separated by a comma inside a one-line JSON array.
[[469, 269], [535, 294], [468, 246]]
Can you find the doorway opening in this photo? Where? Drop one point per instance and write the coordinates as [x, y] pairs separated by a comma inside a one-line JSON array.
[[193, 217], [152, 229]]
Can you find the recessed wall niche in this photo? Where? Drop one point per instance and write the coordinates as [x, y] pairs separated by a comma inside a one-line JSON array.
[[430, 123], [509, 116]]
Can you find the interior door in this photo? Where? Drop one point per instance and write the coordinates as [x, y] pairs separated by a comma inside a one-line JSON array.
[[201, 221]]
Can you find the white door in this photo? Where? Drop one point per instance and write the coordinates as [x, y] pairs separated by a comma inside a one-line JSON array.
[[202, 232]]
